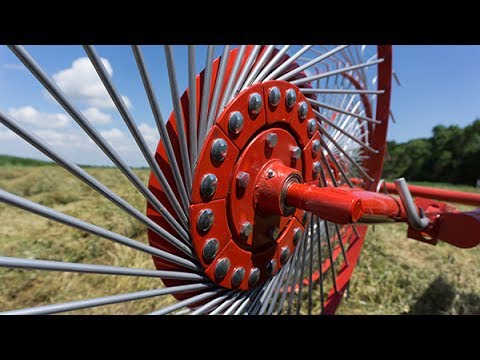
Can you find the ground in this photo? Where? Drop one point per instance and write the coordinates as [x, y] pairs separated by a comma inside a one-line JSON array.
[[396, 275]]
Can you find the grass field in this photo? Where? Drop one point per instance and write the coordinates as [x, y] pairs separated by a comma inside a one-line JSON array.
[[395, 276]]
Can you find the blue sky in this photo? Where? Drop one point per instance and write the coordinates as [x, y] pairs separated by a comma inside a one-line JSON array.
[[440, 84]]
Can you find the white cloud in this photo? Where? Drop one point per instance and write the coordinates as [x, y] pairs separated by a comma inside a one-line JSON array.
[[30, 116], [97, 117], [81, 83], [150, 134]]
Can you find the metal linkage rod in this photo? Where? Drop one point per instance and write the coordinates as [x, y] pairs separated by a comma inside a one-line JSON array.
[[47, 265], [157, 114], [334, 72], [137, 135], [71, 221], [106, 300], [311, 63], [55, 91], [91, 181], [177, 109]]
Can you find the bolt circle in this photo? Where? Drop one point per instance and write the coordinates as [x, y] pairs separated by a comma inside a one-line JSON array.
[[219, 149], [315, 147], [290, 98], [254, 276], [274, 96], [209, 185], [255, 103], [311, 126], [271, 267], [246, 229], [238, 276], [302, 110], [222, 267], [210, 249], [205, 220], [297, 234], [272, 140], [285, 254], [235, 123]]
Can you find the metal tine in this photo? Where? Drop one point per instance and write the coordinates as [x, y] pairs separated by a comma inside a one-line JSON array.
[[258, 66], [245, 70], [177, 109], [320, 266], [55, 91], [71, 221], [330, 255], [310, 263], [231, 298], [268, 68], [302, 269], [91, 181], [192, 107], [137, 135], [187, 302], [212, 304], [204, 103], [280, 69], [289, 280], [106, 300]]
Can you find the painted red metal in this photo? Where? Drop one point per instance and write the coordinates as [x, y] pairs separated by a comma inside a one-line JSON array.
[[458, 197]]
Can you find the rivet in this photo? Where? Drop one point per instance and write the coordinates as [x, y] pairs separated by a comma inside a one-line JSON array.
[[222, 267], [235, 122], [254, 276], [274, 96], [315, 147], [219, 149], [238, 276], [208, 185], [205, 220], [290, 98], [210, 249], [255, 103], [311, 126], [285, 254], [302, 110], [271, 267]]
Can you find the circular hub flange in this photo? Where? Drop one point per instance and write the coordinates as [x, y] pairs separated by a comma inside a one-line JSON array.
[[265, 124]]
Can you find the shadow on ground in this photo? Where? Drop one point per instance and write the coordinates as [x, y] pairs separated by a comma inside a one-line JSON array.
[[441, 298]]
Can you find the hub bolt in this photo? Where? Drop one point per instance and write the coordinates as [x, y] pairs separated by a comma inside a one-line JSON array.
[[219, 149], [243, 178], [235, 123], [254, 276], [297, 235], [311, 126], [290, 98], [271, 267], [304, 217], [274, 232], [274, 96], [208, 185], [255, 103], [223, 265], [302, 110], [246, 229], [205, 220], [285, 254], [238, 276], [210, 249], [272, 140], [315, 147], [316, 168], [296, 153], [271, 173]]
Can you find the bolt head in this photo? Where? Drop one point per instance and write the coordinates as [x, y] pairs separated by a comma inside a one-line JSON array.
[[271, 140], [285, 254], [254, 276], [222, 267], [316, 167], [297, 234], [219, 149], [246, 229], [271, 267], [238, 276], [235, 122], [274, 96], [210, 248], [271, 173], [209, 185], [296, 153], [315, 147], [274, 232], [290, 98], [205, 220], [311, 126], [302, 110], [255, 103], [243, 178]]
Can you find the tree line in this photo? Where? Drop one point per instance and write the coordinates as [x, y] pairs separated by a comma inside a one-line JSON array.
[[451, 154]]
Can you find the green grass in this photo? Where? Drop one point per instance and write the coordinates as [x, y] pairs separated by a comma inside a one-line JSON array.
[[8, 161], [396, 275]]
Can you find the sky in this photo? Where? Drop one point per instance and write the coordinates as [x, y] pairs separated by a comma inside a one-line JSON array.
[[439, 85]]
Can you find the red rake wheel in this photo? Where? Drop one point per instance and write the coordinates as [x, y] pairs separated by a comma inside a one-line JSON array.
[[226, 219]]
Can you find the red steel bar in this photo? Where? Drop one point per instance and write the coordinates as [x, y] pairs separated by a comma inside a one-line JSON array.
[[438, 194]]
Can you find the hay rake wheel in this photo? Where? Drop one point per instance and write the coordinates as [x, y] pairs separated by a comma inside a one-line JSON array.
[[267, 161]]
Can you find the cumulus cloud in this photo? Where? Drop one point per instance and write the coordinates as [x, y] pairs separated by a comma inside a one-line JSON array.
[[81, 83], [150, 134], [97, 117], [28, 115]]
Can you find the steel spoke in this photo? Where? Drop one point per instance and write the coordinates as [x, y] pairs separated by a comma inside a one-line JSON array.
[[332, 156], [96, 185], [269, 67], [177, 109], [71, 221], [137, 135], [157, 114], [207, 80], [233, 76], [258, 66], [212, 303], [301, 255], [339, 91], [289, 280], [311, 63], [47, 265], [277, 290], [358, 116], [330, 255], [106, 300], [245, 70], [192, 107], [187, 302], [231, 298], [55, 91], [320, 265], [287, 63], [302, 270], [310, 263]]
